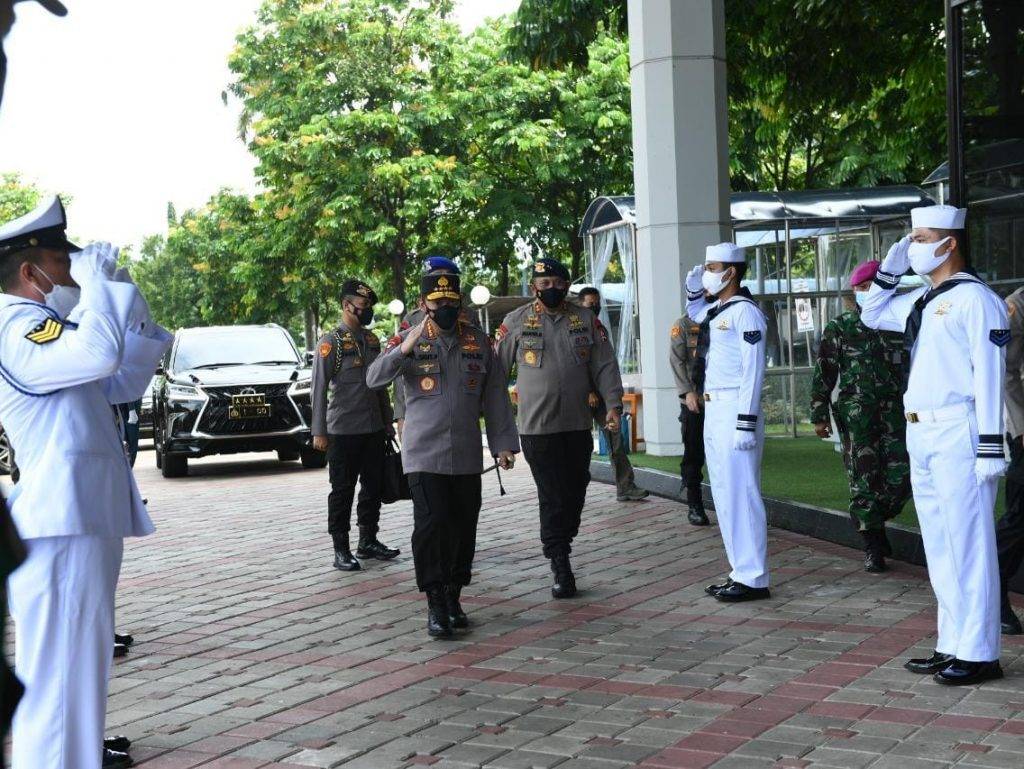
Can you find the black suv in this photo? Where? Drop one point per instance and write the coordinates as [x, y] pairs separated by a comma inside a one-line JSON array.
[[232, 389]]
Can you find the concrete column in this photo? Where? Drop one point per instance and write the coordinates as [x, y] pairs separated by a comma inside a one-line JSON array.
[[681, 155]]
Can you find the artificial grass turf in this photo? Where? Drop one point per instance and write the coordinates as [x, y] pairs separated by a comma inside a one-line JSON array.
[[805, 469]]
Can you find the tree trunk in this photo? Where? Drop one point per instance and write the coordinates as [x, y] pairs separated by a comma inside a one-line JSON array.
[[397, 260], [309, 319], [503, 277], [576, 248]]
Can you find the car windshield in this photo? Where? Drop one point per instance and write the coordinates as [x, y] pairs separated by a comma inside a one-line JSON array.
[[233, 347]]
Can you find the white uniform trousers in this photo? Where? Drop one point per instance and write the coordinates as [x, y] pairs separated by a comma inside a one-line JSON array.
[[736, 488], [62, 603], [956, 518]]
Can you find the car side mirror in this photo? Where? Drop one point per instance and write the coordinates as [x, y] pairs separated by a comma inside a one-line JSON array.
[[160, 371], [309, 357]]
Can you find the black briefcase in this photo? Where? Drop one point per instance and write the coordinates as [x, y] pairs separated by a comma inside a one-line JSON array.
[[395, 486]]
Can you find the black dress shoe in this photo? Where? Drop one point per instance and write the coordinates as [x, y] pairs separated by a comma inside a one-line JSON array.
[[371, 547], [696, 515], [712, 589], [120, 650], [118, 743], [564, 585], [874, 552], [116, 759], [1009, 623], [456, 616], [963, 673], [438, 624], [344, 561], [127, 640], [929, 665], [737, 592]]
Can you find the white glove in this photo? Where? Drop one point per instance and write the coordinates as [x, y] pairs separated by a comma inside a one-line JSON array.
[[694, 283], [988, 468], [744, 440], [897, 261], [96, 263]]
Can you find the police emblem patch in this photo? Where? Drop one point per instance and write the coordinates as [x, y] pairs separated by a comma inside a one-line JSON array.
[[530, 358], [425, 347], [676, 332], [47, 331], [325, 349], [1000, 337], [427, 384], [752, 337]]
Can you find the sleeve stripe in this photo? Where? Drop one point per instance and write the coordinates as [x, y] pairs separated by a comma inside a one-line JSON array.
[[694, 295], [991, 438]]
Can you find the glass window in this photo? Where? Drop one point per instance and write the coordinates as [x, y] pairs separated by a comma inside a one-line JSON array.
[[233, 347]]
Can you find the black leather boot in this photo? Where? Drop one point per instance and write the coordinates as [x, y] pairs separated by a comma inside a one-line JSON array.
[[115, 759], [343, 558], [125, 640], [695, 514], [564, 585], [456, 616], [119, 743], [438, 624], [929, 665], [371, 547], [874, 558]]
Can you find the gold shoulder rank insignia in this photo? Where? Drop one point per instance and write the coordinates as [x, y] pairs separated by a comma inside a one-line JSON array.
[[47, 331]]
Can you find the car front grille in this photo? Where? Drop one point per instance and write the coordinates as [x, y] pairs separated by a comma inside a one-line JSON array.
[[215, 420]]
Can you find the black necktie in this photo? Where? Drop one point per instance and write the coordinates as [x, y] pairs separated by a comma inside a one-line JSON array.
[[914, 320]]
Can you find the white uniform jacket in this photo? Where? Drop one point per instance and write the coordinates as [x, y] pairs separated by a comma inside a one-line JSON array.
[[958, 357], [58, 382], [736, 355]]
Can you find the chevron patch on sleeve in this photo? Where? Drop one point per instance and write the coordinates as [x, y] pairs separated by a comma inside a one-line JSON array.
[[752, 337], [47, 331], [1000, 337]]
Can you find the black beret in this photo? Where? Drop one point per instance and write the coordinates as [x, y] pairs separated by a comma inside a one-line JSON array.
[[550, 268], [358, 288]]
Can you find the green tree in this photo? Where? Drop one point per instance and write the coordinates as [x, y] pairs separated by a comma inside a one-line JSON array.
[[17, 197], [820, 93], [357, 156]]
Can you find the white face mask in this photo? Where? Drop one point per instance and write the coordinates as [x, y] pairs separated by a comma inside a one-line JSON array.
[[60, 299], [923, 258], [859, 297], [714, 282]]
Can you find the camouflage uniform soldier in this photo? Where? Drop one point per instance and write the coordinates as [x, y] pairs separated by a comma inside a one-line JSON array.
[[869, 367]]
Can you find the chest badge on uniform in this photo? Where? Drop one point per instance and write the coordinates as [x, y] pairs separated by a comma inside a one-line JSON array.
[[427, 384], [943, 308], [722, 325], [425, 347], [47, 331], [1000, 337], [471, 347], [325, 349], [530, 358], [575, 324]]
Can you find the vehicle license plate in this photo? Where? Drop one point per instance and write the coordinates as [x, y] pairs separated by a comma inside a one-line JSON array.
[[249, 407]]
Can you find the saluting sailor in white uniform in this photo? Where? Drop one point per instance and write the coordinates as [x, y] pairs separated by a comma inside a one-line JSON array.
[[957, 330], [731, 361], [74, 340]]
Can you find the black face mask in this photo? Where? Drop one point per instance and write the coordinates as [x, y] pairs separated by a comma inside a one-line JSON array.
[[445, 316], [552, 297], [363, 314], [594, 308]]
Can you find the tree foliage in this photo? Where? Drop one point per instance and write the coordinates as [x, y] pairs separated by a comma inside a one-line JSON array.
[[17, 197]]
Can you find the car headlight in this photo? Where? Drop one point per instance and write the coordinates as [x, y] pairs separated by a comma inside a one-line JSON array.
[[184, 392], [303, 386]]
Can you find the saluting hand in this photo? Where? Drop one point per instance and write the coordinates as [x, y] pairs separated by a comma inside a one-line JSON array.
[[413, 337]]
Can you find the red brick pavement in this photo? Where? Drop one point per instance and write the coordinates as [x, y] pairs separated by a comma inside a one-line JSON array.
[[253, 653]]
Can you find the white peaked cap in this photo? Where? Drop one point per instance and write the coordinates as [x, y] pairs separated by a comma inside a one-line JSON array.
[[724, 252], [938, 217]]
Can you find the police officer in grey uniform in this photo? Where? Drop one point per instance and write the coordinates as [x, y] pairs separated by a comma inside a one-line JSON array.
[[451, 377], [562, 355], [691, 417], [434, 265], [351, 422]]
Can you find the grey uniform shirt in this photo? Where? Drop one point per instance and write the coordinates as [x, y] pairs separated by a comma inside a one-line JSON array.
[[343, 404], [681, 356], [1014, 384], [561, 358], [449, 380]]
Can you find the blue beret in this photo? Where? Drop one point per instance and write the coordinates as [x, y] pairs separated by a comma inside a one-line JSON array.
[[435, 263]]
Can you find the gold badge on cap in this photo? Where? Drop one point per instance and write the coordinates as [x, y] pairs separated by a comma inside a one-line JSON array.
[[442, 282], [539, 267], [363, 290], [427, 384]]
